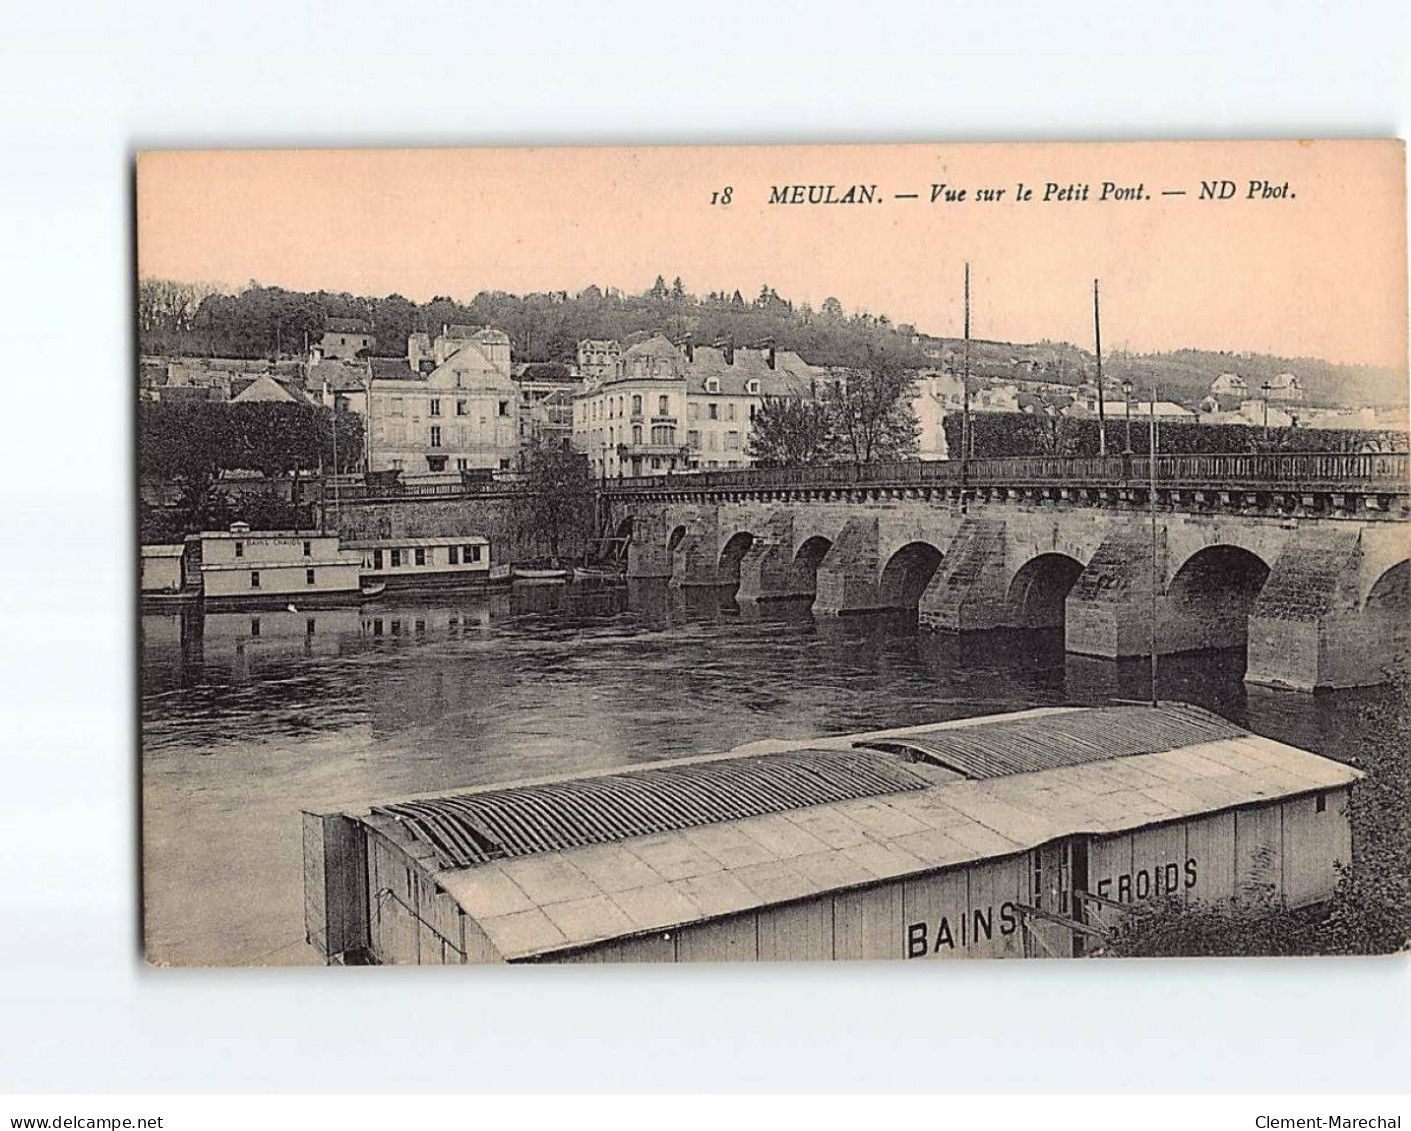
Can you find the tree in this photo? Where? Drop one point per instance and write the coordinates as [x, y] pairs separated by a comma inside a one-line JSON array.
[[658, 291], [678, 290], [871, 406], [557, 505], [793, 432], [831, 309]]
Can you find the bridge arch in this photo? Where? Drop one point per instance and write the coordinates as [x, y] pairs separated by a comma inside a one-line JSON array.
[[907, 573], [803, 573], [1391, 592], [678, 532], [1039, 590], [1210, 597], [731, 554]]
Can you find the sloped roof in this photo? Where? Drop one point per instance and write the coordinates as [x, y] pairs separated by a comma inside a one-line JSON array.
[[620, 881], [658, 345], [347, 326], [394, 369], [262, 388], [339, 376]]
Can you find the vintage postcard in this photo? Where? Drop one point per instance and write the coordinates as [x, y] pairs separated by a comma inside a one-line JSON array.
[[707, 554]]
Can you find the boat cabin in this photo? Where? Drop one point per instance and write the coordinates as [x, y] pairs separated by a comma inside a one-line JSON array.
[[423, 564], [241, 568], [1022, 835], [161, 569]]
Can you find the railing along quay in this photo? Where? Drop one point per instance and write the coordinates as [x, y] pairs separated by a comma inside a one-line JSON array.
[[1353, 472]]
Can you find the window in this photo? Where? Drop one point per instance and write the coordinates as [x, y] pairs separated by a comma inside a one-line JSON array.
[[730, 411], [240, 549], [254, 579], [460, 408], [732, 441], [712, 384], [420, 556], [693, 411], [504, 408], [693, 440], [308, 577], [377, 559], [753, 407], [714, 410], [397, 409], [663, 435], [636, 404], [1321, 804], [504, 464], [470, 554], [713, 440], [636, 433], [453, 555], [396, 559], [752, 387], [308, 549], [463, 464], [435, 406], [663, 405], [254, 626], [396, 465], [435, 436]]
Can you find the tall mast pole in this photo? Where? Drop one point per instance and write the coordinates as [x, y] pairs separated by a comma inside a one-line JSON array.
[[1151, 506], [1101, 408], [967, 439]]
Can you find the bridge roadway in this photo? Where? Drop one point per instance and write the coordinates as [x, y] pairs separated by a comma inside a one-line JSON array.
[[1302, 558]]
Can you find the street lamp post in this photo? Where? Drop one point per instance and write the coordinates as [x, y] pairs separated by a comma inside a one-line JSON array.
[[1127, 397], [1127, 451], [1266, 388]]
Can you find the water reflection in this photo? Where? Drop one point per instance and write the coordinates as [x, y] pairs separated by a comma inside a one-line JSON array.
[[248, 718]]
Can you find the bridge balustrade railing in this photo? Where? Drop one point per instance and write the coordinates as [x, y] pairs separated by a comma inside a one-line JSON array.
[[1252, 470], [1287, 471]]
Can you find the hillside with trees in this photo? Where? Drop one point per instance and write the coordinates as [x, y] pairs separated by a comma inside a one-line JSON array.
[[187, 319]]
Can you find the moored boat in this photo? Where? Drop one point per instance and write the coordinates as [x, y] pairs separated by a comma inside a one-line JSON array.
[[408, 565], [243, 569], [539, 574]]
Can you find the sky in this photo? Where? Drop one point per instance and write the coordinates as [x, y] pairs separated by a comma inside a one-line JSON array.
[[1319, 271]]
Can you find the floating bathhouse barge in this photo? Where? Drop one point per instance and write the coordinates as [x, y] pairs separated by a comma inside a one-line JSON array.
[[1019, 835], [243, 569], [427, 565]]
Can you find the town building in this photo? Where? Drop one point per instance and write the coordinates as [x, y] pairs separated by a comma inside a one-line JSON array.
[[545, 401], [1283, 388], [346, 337], [669, 408], [450, 405], [598, 357]]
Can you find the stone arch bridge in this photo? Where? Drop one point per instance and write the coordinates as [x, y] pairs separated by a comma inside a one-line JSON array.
[[1301, 559]]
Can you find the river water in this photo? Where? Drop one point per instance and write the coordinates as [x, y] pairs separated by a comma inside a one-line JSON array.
[[249, 718]]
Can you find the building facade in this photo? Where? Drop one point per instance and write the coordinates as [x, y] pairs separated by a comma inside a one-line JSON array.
[[346, 337], [449, 406], [668, 408]]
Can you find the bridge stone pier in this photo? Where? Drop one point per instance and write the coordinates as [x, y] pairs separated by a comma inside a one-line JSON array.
[[1314, 585]]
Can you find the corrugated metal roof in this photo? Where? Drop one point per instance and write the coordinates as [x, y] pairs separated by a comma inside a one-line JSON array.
[[537, 903], [475, 828], [1024, 746]]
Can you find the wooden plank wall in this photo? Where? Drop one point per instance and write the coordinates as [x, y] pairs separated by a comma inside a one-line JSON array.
[[1314, 843], [963, 912]]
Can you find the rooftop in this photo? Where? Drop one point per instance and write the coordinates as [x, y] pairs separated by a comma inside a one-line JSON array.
[[562, 863]]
